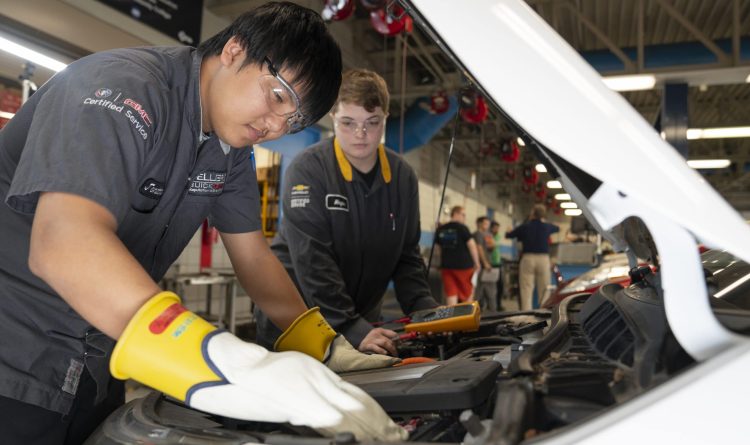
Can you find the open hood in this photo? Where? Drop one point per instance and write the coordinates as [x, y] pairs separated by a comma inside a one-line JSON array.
[[611, 161]]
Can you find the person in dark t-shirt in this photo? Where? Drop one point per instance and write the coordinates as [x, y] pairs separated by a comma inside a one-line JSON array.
[[459, 258]]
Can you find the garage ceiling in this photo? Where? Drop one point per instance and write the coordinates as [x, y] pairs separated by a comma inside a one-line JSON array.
[[625, 32]]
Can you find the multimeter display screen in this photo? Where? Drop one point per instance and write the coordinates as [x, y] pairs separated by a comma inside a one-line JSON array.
[[442, 313]]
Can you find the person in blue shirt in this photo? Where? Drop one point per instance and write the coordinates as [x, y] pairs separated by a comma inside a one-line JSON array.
[[534, 269]]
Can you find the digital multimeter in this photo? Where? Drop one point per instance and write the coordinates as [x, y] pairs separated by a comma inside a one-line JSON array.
[[456, 318]]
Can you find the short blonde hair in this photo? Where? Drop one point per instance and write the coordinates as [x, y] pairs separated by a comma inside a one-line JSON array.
[[364, 88]]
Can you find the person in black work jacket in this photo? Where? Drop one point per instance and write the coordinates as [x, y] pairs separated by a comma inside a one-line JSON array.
[[105, 175], [351, 222]]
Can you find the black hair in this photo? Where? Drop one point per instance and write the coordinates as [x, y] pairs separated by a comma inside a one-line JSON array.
[[494, 224], [482, 219], [295, 39]]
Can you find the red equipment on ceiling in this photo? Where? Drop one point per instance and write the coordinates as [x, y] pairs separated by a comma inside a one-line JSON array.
[[439, 103], [509, 151], [478, 114], [530, 175], [335, 10], [391, 21], [540, 190]]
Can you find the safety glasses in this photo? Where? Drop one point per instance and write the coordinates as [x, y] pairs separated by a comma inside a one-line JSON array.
[[281, 98]]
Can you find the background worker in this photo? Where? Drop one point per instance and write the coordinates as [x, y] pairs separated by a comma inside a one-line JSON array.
[[96, 207], [459, 258], [497, 262], [534, 268], [351, 222], [486, 291]]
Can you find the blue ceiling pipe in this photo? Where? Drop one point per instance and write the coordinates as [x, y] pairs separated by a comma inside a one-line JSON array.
[[662, 56], [420, 125]]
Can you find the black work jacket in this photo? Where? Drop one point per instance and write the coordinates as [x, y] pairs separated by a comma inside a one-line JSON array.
[[342, 242]]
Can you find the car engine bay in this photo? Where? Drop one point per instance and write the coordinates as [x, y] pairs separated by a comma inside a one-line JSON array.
[[521, 375]]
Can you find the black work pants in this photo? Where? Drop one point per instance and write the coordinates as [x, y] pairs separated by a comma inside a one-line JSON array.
[[25, 424]]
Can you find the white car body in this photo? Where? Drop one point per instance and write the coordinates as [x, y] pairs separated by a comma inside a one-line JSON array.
[[560, 101]]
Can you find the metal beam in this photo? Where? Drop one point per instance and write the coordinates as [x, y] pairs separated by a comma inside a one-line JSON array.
[[629, 65], [736, 31], [720, 55], [640, 65], [438, 71]]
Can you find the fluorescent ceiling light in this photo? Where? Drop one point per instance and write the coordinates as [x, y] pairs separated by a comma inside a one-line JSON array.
[[568, 205], [520, 142], [747, 79], [709, 163], [574, 212], [6, 115], [541, 168], [630, 83], [554, 185], [562, 197], [718, 133], [31, 55]]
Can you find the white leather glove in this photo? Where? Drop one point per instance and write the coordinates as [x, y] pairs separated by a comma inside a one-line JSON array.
[[174, 351], [344, 358], [289, 387]]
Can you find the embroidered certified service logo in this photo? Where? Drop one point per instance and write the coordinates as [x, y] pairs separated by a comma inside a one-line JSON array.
[[139, 118], [337, 202]]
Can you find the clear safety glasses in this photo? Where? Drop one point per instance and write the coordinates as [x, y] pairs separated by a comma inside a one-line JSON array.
[[281, 98], [370, 126]]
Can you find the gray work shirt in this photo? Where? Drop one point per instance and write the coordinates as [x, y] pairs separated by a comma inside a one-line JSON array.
[[123, 129]]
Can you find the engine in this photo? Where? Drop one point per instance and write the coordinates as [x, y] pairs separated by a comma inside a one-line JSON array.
[[521, 375]]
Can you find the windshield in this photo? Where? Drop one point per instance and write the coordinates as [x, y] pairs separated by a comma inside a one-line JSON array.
[[615, 266], [728, 278]]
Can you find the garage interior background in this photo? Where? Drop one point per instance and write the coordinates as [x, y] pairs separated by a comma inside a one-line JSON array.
[[695, 55]]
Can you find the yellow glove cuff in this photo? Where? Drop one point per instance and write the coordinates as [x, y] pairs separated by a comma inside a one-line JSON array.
[[162, 347], [310, 333]]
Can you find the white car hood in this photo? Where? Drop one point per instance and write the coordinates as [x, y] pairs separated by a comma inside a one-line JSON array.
[[553, 95]]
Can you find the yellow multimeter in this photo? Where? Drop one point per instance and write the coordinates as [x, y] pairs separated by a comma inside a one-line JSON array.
[[456, 318]]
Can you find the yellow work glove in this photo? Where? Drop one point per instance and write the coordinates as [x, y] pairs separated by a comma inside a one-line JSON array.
[[172, 350], [311, 334]]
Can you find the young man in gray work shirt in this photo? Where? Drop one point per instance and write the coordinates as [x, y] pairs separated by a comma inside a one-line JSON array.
[[106, 173]]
